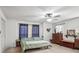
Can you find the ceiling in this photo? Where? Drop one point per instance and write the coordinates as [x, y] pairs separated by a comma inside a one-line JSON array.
[[37, 13]]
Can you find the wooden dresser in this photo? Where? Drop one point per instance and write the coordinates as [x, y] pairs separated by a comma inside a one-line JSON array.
[[57, 38], [76, 45]]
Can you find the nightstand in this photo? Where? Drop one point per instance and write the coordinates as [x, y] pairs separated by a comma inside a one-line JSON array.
[[18, 43]]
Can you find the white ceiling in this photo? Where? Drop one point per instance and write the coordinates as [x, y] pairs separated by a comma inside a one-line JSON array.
[[37, 13]]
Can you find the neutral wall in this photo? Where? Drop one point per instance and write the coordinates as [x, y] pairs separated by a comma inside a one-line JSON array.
[[47, 35], [11, 33], [73, 24]]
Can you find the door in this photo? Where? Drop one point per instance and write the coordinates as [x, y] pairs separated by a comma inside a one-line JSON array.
[[2, 35]]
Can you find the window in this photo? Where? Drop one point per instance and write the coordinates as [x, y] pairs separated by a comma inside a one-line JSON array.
[[23, 30], [59, 28], [35, 30]]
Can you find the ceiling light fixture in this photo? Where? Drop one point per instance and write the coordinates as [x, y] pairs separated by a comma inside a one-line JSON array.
[[48, 15], [49, 20]]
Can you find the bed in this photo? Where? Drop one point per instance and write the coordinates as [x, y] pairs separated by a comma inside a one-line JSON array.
[[34, 43]]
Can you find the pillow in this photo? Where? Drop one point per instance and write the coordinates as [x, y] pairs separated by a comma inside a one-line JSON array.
[[28, 39], [37, 38], [24, 38]]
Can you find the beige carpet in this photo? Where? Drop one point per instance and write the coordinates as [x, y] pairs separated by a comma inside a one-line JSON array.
[[54, 49]]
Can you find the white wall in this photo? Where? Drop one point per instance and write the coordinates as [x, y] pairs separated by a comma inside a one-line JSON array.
[[73, 24], [13, 31], [47, 35]]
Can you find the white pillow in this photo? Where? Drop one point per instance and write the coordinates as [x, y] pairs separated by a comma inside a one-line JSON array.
[[37, 38]]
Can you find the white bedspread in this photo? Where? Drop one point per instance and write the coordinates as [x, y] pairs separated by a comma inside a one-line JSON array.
[[34, 44]]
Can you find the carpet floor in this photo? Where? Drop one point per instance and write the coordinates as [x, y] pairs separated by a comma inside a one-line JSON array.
[[54, 49]]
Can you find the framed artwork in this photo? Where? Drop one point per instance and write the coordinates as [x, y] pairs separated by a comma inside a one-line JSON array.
[[71, 32]]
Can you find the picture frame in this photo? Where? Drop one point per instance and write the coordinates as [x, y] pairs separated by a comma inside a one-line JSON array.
[[71, 32]]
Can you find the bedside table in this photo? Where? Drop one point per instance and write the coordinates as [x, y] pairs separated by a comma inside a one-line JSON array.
[[18, 43], [51, 41]]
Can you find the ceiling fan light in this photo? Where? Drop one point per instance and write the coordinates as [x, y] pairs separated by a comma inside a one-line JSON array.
[[48, 15], [49, 20]]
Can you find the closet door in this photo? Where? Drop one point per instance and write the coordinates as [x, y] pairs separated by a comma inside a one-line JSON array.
[[3, 34]]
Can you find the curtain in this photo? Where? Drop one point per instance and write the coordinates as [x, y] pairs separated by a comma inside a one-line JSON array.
[[35, 30], [23, 30]]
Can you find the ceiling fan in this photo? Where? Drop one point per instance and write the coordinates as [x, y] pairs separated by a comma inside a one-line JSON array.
[[50, 16]]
